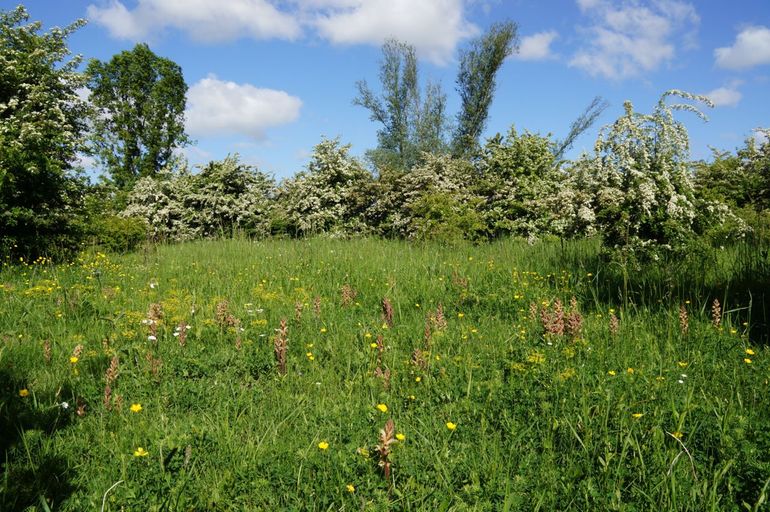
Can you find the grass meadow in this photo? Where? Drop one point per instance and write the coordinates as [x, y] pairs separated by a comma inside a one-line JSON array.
[[380, 375]]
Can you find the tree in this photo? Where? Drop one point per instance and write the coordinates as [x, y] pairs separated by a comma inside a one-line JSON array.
[[41, 132], [410, 124], [476, 83], [140, 101]]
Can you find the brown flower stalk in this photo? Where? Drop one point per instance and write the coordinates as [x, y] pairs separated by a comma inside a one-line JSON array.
[[298, 307], [280, 345], [574, 320], [317, 306], [439, 318], [684, 324], [348, 295], [387, 312], [181, 330], [387, 438], [716, 313], [47, 353], [614, 324]]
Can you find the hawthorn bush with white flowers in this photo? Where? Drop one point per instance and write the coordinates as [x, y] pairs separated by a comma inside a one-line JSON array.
[[329, 197], [226, 196]]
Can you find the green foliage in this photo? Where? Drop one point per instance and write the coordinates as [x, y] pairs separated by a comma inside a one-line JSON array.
[[329, 197], [519, 174], [119, 234], [410, 123], [139, 100], [476, 84], [643, 416], [224, 198], [41, 127]]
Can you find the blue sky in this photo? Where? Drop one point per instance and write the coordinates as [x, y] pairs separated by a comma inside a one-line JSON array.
[[269, 78]]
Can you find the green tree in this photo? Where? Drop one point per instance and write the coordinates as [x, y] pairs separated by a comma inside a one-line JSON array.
[[140, 100], [412, 122], [476, 83], [41, 133]]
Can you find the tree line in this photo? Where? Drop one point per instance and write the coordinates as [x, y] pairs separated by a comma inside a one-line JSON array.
[[430, 176]]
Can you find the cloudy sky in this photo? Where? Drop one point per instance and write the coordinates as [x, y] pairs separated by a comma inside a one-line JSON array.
[[268, 78]]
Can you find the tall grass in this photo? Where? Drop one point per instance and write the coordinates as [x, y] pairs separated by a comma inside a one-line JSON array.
[[645, 416]]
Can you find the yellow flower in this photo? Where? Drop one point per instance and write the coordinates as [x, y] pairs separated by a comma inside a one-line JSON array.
[[136, 407], [630, 370], [637, 415], [323, 445], [749, 352], [747, 360], [412, 397], [611, 373], [382, 407], [400, 436], [73, 360], [460, 315], [417, 379], [368, 335], [23, 392], [677, 434], [350, 488], [323, 329], [140, 452], [373, 345], [683, 364], [450, 425]]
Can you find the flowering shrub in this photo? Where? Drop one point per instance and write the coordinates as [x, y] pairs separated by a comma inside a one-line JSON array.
[[329, 197], [433, 200], [518, 174], [223, 197]]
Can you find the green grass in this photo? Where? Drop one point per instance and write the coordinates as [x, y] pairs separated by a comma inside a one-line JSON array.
[[543, 422]]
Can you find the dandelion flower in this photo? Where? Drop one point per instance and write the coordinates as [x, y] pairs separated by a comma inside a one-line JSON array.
[[140, 452], [350, 488], [323, 445], [74, 360], [24, 392], [400, 436], [136, 407], [450, 425], [637, 415], [382, 407]]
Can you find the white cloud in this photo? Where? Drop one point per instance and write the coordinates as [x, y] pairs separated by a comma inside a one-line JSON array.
[[201, 19], [434, 27], [751, 48], [216, 107], [628, 38], [536, 46], [725, 96]]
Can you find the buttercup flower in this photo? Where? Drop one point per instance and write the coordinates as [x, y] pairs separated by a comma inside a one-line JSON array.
[[400, 436], [136, 407], [24, 392], [323, 445], [350, 488], [140, 452], [450, 425], [382, 407]]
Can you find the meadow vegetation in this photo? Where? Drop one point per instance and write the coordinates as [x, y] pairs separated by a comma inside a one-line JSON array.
[[380, 375]]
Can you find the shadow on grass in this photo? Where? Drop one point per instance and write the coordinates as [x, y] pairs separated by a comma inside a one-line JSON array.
[[31, 476], [740, 281]]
